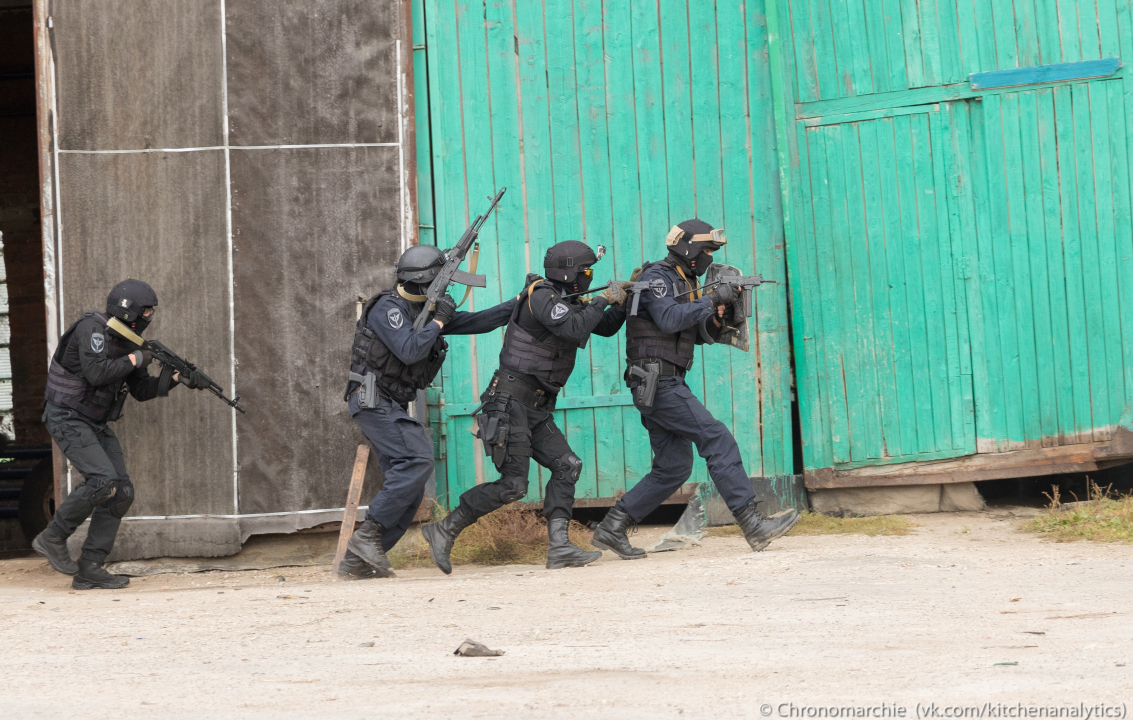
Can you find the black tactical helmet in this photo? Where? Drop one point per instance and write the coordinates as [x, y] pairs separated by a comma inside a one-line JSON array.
[[688, 240], [127, 300], [563, 260], [419, 264]]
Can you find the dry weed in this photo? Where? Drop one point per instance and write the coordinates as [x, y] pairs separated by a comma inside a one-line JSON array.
[[811, 523], [512, 535], [1105, 517]]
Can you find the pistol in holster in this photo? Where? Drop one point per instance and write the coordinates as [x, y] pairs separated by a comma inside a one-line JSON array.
[[647, 373], [367, 390]]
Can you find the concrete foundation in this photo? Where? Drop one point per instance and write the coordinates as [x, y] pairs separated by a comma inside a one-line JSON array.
[[898, 499]]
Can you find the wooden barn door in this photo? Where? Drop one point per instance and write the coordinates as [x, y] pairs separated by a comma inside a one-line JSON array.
[[607, 126], [883, 299]]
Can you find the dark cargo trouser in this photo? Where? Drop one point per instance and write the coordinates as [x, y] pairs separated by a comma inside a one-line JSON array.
[[675, 423], [106, 492], [405, 455], [531, 433]]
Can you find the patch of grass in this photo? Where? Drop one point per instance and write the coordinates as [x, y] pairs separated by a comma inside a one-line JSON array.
[[811, 523], [512, 535], [1105, 517]]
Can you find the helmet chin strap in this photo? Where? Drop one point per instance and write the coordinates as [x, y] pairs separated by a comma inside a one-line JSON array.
[[410, 296]]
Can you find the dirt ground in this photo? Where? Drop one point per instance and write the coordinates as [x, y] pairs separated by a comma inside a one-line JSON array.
[[713, 631]]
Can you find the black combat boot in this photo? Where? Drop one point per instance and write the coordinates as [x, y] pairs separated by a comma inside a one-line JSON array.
[[760, 530], [52, 544], [353, 567], [91, 575], [611, 535], [561, 552], [441, 536], [366, 543]]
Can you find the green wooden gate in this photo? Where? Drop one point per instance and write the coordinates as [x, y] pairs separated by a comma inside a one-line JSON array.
[[959, 238], [607, 125]]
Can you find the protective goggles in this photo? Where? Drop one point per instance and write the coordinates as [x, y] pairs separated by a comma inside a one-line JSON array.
[[716, 237]]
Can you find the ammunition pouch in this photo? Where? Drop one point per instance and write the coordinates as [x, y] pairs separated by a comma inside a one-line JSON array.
[[492, 427], [504, 383]]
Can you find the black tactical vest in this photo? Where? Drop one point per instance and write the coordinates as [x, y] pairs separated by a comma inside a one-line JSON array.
[[66, 386], [398, 380], [645, 340], [551, 360]]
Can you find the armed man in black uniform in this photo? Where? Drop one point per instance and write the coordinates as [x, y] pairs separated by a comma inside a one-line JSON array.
[[390, 362], [91, 372], [673, 317], [545, 331]]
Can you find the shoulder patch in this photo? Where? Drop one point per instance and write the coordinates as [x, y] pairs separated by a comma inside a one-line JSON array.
[[559, 311], [661, 289], [395, 318], [98, 342]]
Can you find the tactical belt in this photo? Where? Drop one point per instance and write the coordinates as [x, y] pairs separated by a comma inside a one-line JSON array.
[[668, 369], [517, 388]]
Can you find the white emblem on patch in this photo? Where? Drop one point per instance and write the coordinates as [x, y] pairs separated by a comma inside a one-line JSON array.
[[393, 315], [124, 302], [660, 290], [559, 311], [97, 342]]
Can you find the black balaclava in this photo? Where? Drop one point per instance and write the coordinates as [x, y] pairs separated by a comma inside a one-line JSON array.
[[691, 255], [128, 300], [564, 262]]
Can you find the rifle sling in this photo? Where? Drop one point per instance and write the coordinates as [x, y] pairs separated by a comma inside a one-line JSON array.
[[472, 270]]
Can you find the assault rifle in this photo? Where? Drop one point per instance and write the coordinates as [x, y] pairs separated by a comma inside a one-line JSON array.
[[170, 359], [747, 283], [451, 272]]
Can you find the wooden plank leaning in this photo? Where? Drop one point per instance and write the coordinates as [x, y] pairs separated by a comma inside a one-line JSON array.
[[350, 512]]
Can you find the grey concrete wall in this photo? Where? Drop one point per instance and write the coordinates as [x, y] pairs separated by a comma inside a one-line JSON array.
[[258, 252]]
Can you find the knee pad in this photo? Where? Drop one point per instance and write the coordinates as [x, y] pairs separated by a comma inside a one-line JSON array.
[[514, 489], [95, 494], [123, 497], [569, 468]]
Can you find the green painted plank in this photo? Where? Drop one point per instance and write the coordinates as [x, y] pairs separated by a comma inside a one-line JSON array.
[[829, 83], [894, 46], [1067, 137], [912, 281], [984, 37], [929, 23], [1039, 280], [861, 71], [537, 190], [1106, 278], [896, 281], [884, 376], [963, 225], [773, 362], [1085, 149], [951, 62], [814, 399], [423, 150], [1050, 151], [911, 37], [862, 385], [852, 65], [1107, 24], [745, 411], [829, 303], [873, 23], [1069, 31], [805, 66], [1026, 34], [1046, 29], [1003, 29], [1122, 229], [1023, 314], [967, 42], [931, 287]]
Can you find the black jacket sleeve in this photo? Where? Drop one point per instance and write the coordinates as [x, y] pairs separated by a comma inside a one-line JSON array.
[[566, 319], [143, 386], [481, 321], [389, 319], [665, 311], [98, 369], [612, 320]]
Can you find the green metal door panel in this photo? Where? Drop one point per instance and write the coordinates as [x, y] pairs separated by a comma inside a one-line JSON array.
[[883, 379], [608, 127], [1054, 258], [848, 49]]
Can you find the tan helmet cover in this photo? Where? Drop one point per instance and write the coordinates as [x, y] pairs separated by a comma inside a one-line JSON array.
[[716, 237]]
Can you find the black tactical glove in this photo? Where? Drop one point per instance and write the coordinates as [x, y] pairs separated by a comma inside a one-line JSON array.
[[446, 310], [614, 294], [194, 380], [723, 294], [147, 358]]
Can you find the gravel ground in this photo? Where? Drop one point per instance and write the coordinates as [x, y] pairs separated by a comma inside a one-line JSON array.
[[713, 631]]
